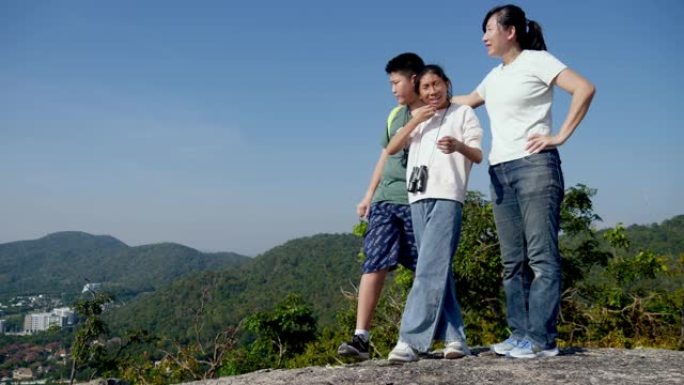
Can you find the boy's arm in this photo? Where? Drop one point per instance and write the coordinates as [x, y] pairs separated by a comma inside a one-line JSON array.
[[363, 206]]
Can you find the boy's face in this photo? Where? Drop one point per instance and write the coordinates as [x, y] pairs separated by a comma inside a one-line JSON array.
[[402, 87]]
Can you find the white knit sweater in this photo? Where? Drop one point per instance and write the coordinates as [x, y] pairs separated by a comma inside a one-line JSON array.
[[447, 173]]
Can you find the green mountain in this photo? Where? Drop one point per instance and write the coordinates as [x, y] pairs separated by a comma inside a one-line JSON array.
[[663, 238], [61, 263], [177, 281], [318, 268]]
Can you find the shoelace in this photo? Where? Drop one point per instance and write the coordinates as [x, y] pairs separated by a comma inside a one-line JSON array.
[[525, 344]]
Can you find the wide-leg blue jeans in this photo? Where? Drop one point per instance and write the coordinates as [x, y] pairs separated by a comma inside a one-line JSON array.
[[432, 311], [527, 194]]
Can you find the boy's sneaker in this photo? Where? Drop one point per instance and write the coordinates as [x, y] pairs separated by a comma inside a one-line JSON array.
[[401, 353], [358, 347], [502, 348], [456, 349], [528, 349]]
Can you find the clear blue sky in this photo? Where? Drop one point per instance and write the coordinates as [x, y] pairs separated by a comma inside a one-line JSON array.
[[235, 126]]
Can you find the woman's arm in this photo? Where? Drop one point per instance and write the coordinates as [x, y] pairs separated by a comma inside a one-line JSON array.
[[473, 100], [582, 92]]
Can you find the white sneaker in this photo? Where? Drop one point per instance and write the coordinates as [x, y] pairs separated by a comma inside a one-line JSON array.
[[528, 349], [456, 349], [502, 348], [401, 353]]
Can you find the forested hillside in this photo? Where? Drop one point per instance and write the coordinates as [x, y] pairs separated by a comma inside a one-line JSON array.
[[61, 263], [666, 237], [317, 268], [622, 287]]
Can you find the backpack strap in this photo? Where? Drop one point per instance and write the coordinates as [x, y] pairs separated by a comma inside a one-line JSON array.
[[390, 119]]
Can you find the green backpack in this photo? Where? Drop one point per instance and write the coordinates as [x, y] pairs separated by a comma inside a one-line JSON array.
[[390, 119]]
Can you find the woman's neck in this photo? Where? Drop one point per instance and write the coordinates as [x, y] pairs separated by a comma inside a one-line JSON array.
[[511, 54]]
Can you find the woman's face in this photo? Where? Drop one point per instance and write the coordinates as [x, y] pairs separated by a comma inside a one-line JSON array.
[[433, 90], [495, 37]]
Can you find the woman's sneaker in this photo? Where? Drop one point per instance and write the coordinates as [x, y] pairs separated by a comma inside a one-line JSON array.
[[502, 348], [456, 349], [401, 353], [528, 349], [358, 347]]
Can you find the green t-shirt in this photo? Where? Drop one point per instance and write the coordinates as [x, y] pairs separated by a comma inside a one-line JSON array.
[[392, 186]]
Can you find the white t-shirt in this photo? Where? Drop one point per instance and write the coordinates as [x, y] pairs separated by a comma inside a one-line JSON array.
[[447, 173], [518, 99]]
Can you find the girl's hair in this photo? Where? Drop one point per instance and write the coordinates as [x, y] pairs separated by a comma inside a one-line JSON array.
[[435, 70], [528, 33]]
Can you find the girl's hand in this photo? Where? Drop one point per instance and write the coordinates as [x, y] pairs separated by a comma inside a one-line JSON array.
[[424, 113], [449, 144], [538, 142]]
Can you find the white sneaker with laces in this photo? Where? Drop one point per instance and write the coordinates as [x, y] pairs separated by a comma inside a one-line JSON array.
[[502, 348], [528, 349], [456, 349], [401, 353]]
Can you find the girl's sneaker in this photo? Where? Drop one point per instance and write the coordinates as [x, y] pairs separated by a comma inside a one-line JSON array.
[[456, 349], [401, 353]]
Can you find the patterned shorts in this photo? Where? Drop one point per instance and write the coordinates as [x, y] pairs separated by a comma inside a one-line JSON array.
[[389, 238]]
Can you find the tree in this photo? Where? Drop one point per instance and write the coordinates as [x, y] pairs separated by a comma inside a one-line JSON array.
[[279, 334], [88, 349]]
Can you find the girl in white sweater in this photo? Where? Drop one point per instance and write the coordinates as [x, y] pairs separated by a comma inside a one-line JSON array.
[[444, 140]]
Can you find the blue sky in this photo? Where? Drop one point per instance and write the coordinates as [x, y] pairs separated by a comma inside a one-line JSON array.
[[235, 126]]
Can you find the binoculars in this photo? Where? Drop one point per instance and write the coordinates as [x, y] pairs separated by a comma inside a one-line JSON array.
[[418, 179]]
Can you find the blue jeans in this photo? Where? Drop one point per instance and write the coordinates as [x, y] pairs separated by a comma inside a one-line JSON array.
[[527, 195], [432, 310]]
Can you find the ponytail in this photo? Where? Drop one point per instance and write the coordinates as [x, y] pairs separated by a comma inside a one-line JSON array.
[[528, 33], [534, 39]]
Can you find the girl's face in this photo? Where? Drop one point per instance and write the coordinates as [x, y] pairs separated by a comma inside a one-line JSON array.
[[496, 38], [433, 90]]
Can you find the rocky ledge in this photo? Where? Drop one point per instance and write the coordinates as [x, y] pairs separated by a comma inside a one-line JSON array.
[[573, 366]]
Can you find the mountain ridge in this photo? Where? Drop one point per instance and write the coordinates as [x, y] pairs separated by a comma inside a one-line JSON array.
[[62, 262]]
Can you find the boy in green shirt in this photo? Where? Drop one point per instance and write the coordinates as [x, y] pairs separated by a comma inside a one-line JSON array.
[[389, 240]]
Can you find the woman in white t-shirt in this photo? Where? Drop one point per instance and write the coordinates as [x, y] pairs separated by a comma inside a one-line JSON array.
[[444, 140], [525, 169]]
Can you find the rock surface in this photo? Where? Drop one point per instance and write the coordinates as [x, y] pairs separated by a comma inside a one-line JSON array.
[[575, 366]]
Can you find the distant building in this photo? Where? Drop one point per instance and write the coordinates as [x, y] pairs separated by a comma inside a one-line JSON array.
[[60, 317], [36, 322], [66, 314], [94, 287], [22, 374]]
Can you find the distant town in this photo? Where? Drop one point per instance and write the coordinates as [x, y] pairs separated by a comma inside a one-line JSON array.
[[50, 313]]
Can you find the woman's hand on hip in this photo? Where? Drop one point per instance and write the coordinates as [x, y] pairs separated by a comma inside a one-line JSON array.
[[538, 142]]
